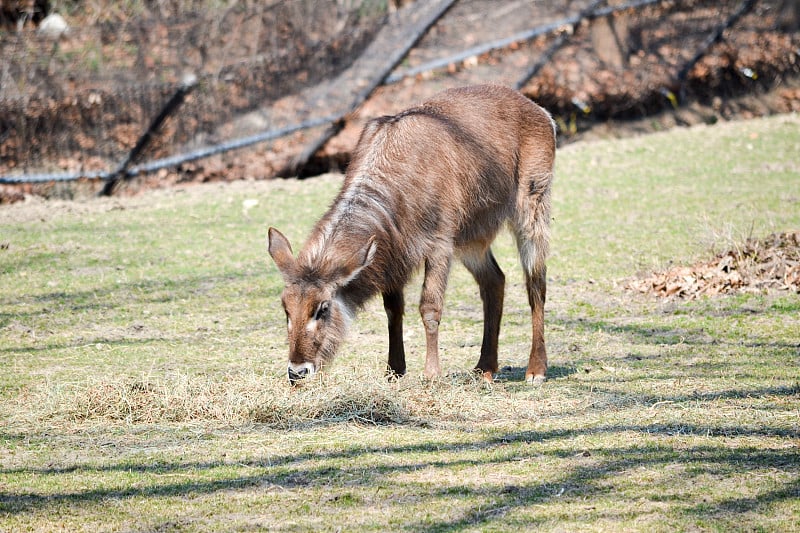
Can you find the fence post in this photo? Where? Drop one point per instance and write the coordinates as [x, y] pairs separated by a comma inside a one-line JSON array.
[[121, 173], [417, 21], [712, 39]]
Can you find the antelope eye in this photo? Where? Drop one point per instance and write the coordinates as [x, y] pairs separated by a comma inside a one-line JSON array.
[[323, 311]]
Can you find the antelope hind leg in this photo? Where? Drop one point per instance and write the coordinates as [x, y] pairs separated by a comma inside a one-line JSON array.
[[491, 281]]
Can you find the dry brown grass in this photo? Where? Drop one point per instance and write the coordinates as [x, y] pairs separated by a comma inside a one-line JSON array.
[[264, 399]]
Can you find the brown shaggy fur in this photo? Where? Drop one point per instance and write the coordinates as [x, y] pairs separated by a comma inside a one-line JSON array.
[[431, 183]]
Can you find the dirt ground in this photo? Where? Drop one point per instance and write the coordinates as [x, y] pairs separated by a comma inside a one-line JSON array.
[[594, 88], [623, 96]]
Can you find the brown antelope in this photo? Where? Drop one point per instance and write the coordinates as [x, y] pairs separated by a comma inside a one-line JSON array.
[[430, 183]]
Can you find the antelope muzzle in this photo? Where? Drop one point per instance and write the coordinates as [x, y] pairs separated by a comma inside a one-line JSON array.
[[298, 373]]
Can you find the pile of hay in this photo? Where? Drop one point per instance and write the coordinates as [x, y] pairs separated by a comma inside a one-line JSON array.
[[264, 399], [772, 263]]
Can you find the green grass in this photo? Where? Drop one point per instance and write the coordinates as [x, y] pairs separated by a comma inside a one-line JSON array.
[[143, 355]]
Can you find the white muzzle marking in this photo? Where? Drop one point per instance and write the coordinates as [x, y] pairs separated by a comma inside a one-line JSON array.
[[301, 371]]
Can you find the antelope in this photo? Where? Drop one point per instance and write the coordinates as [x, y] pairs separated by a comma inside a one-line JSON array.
[[428, 184]]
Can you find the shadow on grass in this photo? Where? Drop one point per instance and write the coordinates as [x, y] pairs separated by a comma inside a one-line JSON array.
[[667, 336], [584, 483], [110, 295], [128, 339], [788, 492], [344, 469], [769, 392], [517, 373], [124, 343]]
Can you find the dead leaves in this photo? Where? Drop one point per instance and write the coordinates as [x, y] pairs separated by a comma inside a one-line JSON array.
[[757, 266]]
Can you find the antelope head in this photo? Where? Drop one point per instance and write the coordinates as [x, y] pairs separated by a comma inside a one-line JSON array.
[[318, 312]]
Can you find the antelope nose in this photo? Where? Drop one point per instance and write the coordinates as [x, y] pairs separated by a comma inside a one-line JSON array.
[[295, 376], [301, 371]]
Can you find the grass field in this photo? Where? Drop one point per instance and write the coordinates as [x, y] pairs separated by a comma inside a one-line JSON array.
[[143, 365]]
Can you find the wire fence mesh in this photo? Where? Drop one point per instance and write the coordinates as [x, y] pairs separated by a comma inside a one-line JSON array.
[[80, 102], [76, 105]]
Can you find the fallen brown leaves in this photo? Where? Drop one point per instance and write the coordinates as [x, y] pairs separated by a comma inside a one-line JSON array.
[[772, 263]]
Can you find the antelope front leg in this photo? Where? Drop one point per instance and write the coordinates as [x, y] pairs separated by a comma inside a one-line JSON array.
[[430, 308], [393, 303]]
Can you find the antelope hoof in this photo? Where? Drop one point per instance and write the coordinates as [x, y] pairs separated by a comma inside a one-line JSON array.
[[394, 375], [487, 375], [535, 380], [432, 375]]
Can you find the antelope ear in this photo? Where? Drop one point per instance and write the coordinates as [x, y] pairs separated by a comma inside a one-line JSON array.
[[281, 252], [358, 262]]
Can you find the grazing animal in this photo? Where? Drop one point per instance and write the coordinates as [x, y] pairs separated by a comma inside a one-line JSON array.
[[431, 183]]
